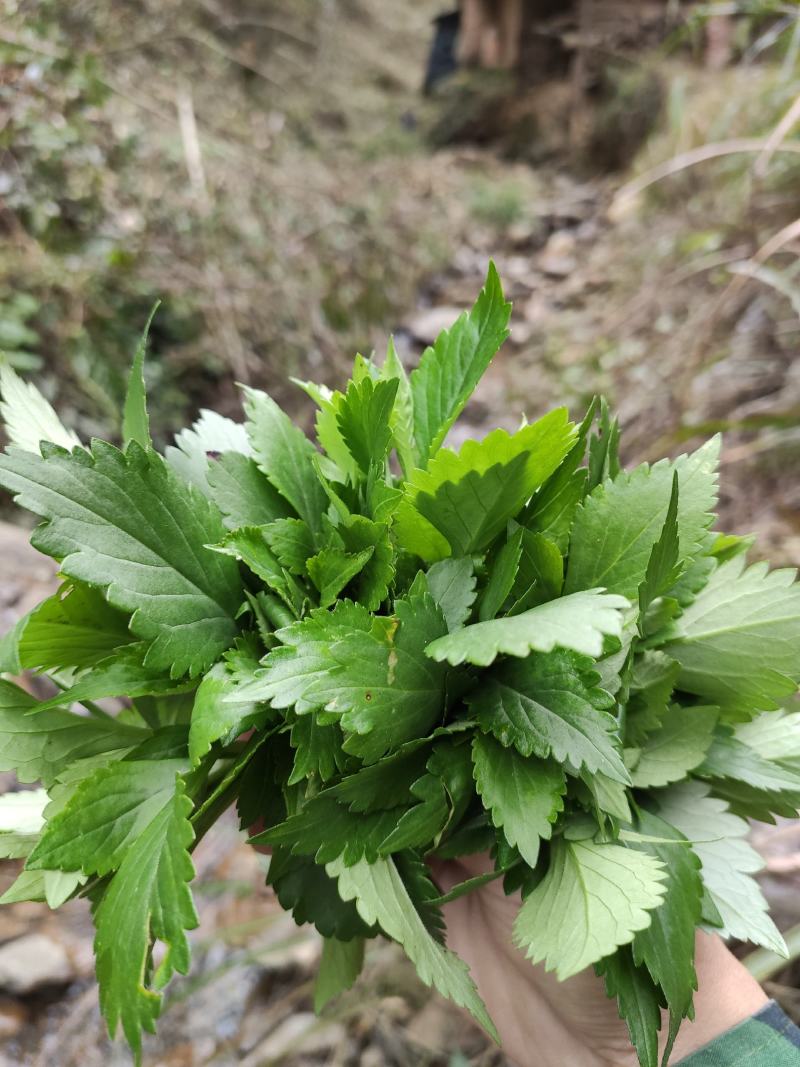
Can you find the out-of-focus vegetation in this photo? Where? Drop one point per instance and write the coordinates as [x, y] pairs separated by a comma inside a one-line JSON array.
[[262, 168], [246, 162]]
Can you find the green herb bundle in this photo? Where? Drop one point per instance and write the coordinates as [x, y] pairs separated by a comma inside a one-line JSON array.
[[380, 649]]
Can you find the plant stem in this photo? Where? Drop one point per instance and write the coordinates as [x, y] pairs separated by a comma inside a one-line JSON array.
[[146, 707], [764, 963], [225, 792], [97, 711], [276, 612], [91, 707]]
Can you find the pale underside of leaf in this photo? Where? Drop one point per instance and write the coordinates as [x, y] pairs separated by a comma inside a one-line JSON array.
[[677, 747], [728, 861], [28, 418], [578, 622], [737, 643], [593, 899], [381, 897]]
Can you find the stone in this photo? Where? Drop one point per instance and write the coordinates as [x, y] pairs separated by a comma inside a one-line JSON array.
[[13, 1017], [558, 256], [426, 326], [322, 1038], [431, 1028], [372, 1057], [395, 1008], [33, 962], [301, 1033]]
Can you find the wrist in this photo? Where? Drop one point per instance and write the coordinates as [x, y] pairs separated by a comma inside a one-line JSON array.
[[727, 994]]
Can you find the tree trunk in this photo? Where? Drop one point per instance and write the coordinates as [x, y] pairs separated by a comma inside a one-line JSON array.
[[542, 53]]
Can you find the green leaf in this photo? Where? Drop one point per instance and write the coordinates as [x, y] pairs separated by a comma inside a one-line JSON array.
[[577, 622], [467, 497], [383, 685], [211, 435], [28, 418], [331, 570], [327, 427], [382, 500], [327, 830], [364, 418], [717, 837], [666, 947], [694, 578], [619, 523], [125, 522], [451, 583], [381, 897], [292, 543], [249, 545], [677, 747], [415, 875], [552, 510], [39, 747], [651, 686], [318, 749], [135, 421], [451, 760], [75, 627], [401, 419], [609, 797], [286, 456], [148, 898], [214, 718], [21, 822], [524, 795], [614, 666], [449, 371], [541, 573], [386, 784], [502, 572], [729, 757], [9, 647], [422, 824], [593, 899], [604, 448], [360, 534], [311, 895], [775, 735], [242, 493], [121, 674], [726, 546], [50, 887], [737, 643], [305, 657], [663, 568], [549, 705], [105, 815], [639, 1002], [339, 968]]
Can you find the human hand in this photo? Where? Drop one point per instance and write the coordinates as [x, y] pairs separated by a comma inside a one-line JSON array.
[[547, 1023]]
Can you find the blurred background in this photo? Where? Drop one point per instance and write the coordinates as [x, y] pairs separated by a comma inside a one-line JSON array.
[[296, 180]]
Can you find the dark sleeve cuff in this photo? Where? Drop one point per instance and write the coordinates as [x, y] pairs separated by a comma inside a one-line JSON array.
[[767, 1039]]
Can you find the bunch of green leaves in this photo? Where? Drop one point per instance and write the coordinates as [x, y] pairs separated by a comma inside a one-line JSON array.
[[382, 650]]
